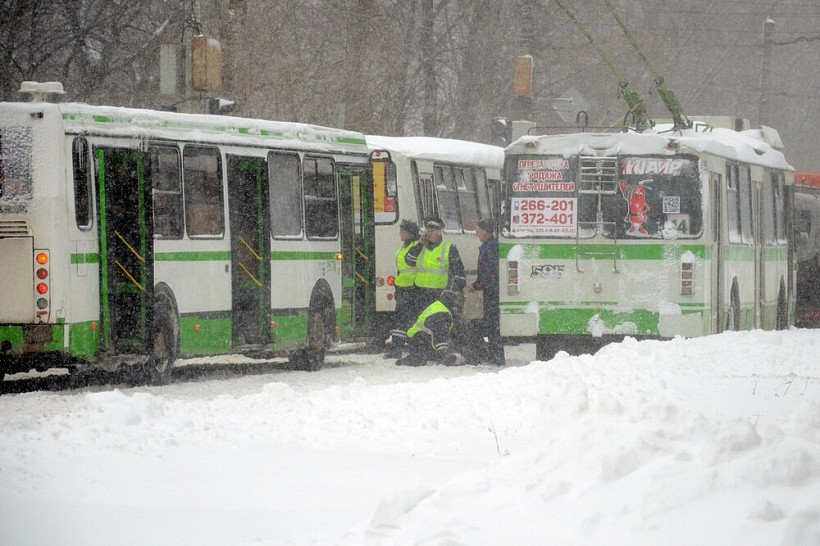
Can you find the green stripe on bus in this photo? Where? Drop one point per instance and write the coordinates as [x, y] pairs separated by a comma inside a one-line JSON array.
[[278, 255], [85, 258], [210, 256], [566, 251], [199, 256]]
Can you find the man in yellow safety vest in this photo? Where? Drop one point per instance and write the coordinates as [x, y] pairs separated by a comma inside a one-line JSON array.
[[439, 266], [406, 293], [430, 337]]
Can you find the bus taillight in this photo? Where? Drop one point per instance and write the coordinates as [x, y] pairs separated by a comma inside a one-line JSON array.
[[391, 281], [512, 277], [41, 284], [687, 274]]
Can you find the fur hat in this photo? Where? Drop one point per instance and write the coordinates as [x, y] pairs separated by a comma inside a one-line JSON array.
[[434, 222], [487, 224], [410, 226]]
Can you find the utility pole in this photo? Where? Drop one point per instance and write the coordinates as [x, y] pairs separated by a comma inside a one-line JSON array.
[[764, 113]]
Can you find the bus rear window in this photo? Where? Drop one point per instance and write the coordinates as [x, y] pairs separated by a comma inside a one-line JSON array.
[[385, 190], [645, 197], [15, 168]]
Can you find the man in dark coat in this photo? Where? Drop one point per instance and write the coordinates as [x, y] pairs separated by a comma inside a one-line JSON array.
[[487, 282]]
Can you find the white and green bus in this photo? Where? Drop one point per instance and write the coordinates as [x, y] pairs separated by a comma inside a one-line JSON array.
[[417, 177], [136, 237], [649, 235]]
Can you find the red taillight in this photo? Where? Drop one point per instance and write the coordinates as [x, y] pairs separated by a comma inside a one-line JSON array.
[[687, 275], [42, 288], [391, 281], [42, 273], [512, 277]]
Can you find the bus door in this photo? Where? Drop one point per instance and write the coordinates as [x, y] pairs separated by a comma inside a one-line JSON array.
[[716, 273], [250, 251], [126, 250], [760, 261], [358, 269]]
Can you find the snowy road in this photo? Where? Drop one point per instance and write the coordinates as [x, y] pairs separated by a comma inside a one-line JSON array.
[[706, 441]]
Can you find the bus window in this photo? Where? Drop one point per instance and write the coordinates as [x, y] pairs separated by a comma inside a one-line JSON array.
[[285, 176], [204, 205], [467, 199], [321, 209], [733, 204], [483, 194], [15, 168], [166, 183], [447, 198], [82, 183], [779, 208], [385, 189], [745, 202], [424, 190]]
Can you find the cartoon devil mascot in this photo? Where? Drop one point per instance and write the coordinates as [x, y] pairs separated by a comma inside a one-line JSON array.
[[638, 207]]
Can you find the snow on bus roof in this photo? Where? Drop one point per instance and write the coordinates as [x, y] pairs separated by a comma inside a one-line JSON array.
[[747, 146], [155, 124], [440, 149]]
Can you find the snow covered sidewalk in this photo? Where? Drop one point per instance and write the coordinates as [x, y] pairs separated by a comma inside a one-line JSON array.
[[705, 441]]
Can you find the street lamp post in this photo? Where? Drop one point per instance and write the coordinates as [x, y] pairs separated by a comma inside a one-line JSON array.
[[764, 112]]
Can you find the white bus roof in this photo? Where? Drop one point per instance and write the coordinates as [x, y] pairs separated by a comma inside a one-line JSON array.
[[81, 118], [747, 146], [440, 149]]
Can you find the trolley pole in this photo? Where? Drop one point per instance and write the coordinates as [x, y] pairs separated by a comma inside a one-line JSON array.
[[764, 112]]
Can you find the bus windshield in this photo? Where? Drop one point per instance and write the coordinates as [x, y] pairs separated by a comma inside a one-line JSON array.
[[643, 197]]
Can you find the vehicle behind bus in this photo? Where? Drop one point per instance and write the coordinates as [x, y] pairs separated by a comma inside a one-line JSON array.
[[647, 235], [418, 177], [133, 237], [807, 248]]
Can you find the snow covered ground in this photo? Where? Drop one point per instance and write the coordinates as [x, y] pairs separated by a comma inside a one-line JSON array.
[[704, 441]]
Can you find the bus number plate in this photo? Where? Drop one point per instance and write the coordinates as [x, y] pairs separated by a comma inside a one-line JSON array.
[[544, 216]]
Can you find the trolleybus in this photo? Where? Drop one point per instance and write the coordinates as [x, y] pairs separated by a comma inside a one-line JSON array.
[[657, 234], [807, 248], [417, 177], [135, 237]]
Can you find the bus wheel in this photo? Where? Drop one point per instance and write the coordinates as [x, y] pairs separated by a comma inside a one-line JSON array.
[[311, 357], [733, 318], [163, 351], [545, 348], [782, 321]]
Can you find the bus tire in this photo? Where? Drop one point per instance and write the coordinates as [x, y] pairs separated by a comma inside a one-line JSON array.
[[782, 319], [733, 316], [545, 348], [164, 338], [311, 357]]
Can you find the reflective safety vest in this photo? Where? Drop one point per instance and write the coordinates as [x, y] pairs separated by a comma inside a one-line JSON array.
[[407, 274], [432, 309], [433, 266]]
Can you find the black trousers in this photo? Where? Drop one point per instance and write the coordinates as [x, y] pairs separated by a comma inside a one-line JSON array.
[[407, 310], [491, 327]]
